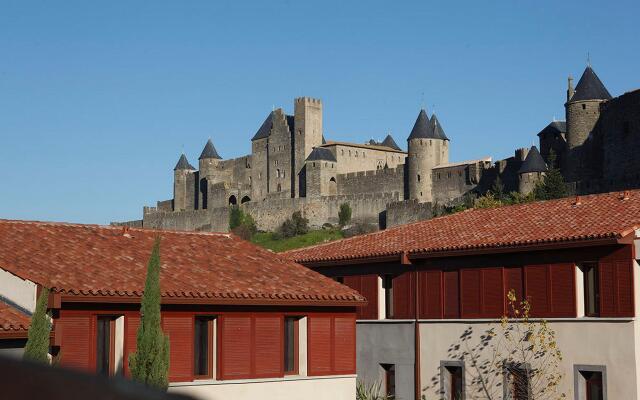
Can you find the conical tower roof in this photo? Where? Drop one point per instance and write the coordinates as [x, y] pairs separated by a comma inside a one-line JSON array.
[[389, 142], [422, 129], [438, 132], [533, 163], [590, 87], [209, 151], [183, 164]]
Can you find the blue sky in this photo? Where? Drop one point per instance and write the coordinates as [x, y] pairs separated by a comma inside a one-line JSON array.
[[98, 99]]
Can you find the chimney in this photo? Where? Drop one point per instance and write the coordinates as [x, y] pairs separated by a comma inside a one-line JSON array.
[[577, 201]]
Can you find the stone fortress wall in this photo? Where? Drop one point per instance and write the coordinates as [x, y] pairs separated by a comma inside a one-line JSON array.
[[292, 168]]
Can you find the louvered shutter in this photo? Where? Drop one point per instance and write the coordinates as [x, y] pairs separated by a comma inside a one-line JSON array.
[[268, 346], [616, 283], [76, 347], [369, 289], [403, 296], [492, 293], [537, 289], [131, 325], [563, 290], [513, 280], [179, 329], [451, 294], [470, 287], [624, 280], [319, 353], [344, 347], [430, 294], [235, 347]]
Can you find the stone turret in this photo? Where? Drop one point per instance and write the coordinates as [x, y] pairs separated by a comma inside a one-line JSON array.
[[181, 173], [208, 164], [531, 171], [320, 171], [307, 135], [582, 113], [428, 146]]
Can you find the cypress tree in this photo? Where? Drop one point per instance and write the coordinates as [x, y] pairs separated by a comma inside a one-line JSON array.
[[150, 363], [37, 348], [552, 185]]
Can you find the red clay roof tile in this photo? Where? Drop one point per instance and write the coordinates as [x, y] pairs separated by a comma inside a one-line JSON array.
[[92, 260], [13, 320], [595, 217]]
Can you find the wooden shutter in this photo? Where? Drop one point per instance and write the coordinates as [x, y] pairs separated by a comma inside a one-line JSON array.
[[537, 289], [616, 283], [563, 290], [319, 345], [131, 325], [513, 280], [369, 289], [492, 293], [470, 287], [451, 295], [403, 296], [77, 349], [268, 346], [234, 342], [179, 329], [344, 345], [430, 294]]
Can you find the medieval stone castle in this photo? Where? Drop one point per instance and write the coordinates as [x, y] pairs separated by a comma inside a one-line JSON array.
[[293, 168]]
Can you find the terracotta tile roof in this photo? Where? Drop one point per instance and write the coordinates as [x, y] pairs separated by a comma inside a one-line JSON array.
[[544, 222], [13, 320], [92, 260]]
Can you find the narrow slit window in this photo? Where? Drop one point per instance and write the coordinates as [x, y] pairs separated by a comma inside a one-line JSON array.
[[203, 338], [291, 345]]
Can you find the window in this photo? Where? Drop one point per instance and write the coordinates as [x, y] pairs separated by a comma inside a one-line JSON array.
[[389, 372], [202, 354], [418, 177], [517, 384], [590, 382], [388, 296], [105, 342], [584, 106], [291, 345], [452, 380], [591, 289]]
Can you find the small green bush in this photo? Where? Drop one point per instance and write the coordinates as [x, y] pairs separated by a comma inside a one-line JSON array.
[[344, 215], [241, 223]]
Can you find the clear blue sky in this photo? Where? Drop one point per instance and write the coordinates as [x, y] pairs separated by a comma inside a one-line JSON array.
[[98, 99]]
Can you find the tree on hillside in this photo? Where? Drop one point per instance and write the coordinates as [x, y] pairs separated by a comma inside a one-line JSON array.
[[150, 363], [241, 223], [552, 185], [344, 215], [37, 347]]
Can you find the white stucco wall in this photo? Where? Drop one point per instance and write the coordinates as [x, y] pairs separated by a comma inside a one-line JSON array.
[[17, 290], [289, 388], [607, 342]]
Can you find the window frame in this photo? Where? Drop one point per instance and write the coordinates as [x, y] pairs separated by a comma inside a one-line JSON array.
[[389, 375], [387, 285], [578, 379], [111, 355], [211, 346], [585, 267], [507, 367], [445, 378]]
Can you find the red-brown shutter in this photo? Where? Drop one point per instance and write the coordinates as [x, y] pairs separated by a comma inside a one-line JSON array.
[[369, 289], [513, 280], [537, 289], [234, 347], [616, 283], [563, 290], [76, 349], [492, 293], [179, 329], [403, 296], [268, 346], [451, 294], [344, 348], [430, 294], [319, 353], [470, 288], [131, 325]]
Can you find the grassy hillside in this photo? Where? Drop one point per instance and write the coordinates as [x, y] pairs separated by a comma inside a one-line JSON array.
[[266, 239]]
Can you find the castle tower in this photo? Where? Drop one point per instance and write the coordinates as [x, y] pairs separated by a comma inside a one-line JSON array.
[[582, 113], [180, 179], [531, 171], [207, 163], [307, 135], [428, 146], [320, 172]]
